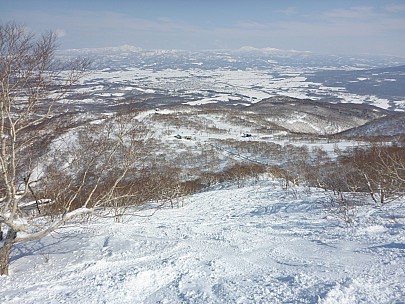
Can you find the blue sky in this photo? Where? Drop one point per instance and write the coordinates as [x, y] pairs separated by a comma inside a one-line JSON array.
[[333, 27]]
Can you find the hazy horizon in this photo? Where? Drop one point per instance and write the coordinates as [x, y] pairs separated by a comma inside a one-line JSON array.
[[344, 28]]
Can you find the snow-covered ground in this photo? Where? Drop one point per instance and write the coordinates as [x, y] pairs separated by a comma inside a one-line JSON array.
[[253, 244], [221, 85]]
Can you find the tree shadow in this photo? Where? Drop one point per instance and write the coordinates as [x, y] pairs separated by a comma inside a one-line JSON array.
[[40, 247]]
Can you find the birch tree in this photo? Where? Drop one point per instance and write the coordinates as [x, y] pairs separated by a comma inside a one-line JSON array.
[[32, 85]]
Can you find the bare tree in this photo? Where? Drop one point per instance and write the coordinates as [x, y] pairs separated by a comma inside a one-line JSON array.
[[382, 170], [96, 166], [32, 84]]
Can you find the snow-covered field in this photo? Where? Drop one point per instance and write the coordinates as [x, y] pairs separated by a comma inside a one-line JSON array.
[[220, 85], [253, 244], [239, 77]]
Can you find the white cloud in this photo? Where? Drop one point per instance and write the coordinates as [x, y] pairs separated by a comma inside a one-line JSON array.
[[360, 12], [60, 33], [355, 29], [289, 11], [395, 8], [251, 25]]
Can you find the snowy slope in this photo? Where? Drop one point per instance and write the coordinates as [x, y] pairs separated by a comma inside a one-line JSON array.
[[387, 126], [254, 244], [308, 116]]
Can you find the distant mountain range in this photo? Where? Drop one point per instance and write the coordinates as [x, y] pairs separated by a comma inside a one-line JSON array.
[[244, 57]]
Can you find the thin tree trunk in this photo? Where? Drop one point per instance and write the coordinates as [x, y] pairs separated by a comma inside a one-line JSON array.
[[370, 188], [5, 251]]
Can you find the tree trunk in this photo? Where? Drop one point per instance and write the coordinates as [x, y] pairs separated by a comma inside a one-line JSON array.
[[370, 188], [5, 251]]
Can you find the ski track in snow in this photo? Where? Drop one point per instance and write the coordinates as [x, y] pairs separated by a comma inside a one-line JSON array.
[[254, 244]]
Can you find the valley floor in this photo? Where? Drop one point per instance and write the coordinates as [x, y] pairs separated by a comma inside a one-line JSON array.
[[252, 244]]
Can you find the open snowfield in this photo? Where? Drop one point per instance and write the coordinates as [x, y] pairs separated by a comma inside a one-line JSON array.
[[253, 244], [220, 86]]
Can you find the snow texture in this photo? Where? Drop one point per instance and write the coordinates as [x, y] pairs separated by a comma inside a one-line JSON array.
[[253, 244]]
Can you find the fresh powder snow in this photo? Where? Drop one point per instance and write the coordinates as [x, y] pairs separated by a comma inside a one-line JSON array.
[[256, 243]]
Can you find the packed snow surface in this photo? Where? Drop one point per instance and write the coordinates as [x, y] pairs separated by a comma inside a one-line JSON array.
[[256, 243]]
